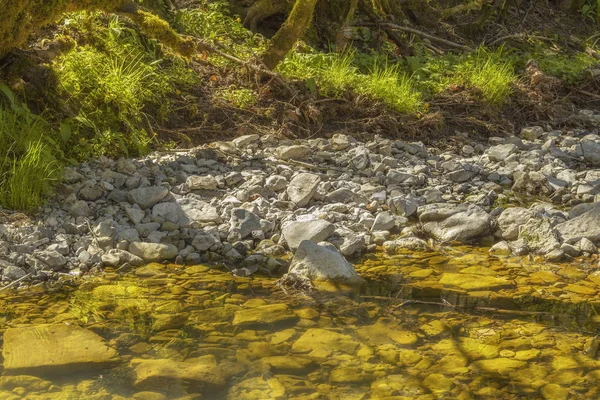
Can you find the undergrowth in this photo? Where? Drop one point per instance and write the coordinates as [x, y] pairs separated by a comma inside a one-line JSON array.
[[119, 86], [30, 158]]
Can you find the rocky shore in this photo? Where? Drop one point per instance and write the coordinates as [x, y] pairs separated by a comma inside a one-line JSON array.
[[255, 203]]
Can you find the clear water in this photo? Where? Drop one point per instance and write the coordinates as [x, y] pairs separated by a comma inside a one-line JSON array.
[[452, 324]]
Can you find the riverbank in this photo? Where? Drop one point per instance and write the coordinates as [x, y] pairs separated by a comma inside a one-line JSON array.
[[249, 203]]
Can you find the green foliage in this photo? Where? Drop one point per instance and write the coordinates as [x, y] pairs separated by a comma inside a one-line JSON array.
[[238, 97], [489, 72], [569, 68], [335, 74], [115, 85], [28, 165], [213, 21], [591, 10]]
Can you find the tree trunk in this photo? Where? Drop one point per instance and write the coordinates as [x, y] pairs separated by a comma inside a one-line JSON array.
[[294, 27]]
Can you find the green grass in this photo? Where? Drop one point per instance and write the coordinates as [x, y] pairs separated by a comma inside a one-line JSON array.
[[28, 162], [120, 86], [490, 73], [335, 74]]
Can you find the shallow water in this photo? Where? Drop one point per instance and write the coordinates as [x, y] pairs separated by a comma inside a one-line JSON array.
[[450, 324]]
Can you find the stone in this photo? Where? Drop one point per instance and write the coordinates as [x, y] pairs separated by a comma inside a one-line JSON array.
[[474, 282], [264, 315], [587, 246], [204, 241], [438, 383], [288, 364], [340, 141], [501, 151], [197, 211], [587, 225], [206, 182], [134, 213], [384, 221], [243, 141], [501, 249], [591, 152], [461, 227], [80, 208], [320, 344], [91, 193], [511, 220], [53, 259], [12, 273], [297, 231], [276, 183], [539, 235], [153, 252], [532, 132], [439, 211], [105, 229], [302, 188], [58, 349], [148, 196], [294, 152], [403, 244], [403, 206], [158, 374], [460, 175], [244, 222], [319, 263]]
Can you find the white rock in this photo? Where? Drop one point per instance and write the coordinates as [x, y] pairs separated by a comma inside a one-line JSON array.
[[297, 231], [302, 188], [461, 227], [511, 220], [587, 225], [148, 196], [319, 263], [153, 252], [384, 221], [206, 182]]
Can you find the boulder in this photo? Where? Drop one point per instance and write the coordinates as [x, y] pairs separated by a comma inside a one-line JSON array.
[[408, 243], [587, 225], [462, 226], [302, 188], [316, 231], [539, 235], [511, 220], [384, 221], [294, 152], [55, 349], [319, 263], [148, 196], [501, 151], [153, 252]]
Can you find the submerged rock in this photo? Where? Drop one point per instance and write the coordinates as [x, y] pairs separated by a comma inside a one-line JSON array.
[[264, 315], [55, 349], [319, 263], [320, 343]]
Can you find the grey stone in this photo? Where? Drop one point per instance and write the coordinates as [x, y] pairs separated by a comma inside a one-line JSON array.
[[148, 196], [460, 175], [591, 151], [204, 241], [206, 182], [463, 226], [12, 273], [403, 206], [52, 259], [408, 243], [384, 221], [153, 252], [276, 183], [501, 151], [80, 208], [105, 229], [318, 263], [532, 132], [511, 220], [302, 188], [539, 235], [243, 222], [91, 193], [294, 152], [296, 232], [134, 213], [587, 225]]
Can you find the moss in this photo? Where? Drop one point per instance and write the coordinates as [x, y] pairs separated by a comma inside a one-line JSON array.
[[22, 17], [159, 29]]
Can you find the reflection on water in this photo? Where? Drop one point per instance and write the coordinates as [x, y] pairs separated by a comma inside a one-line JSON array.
[[426, 326]]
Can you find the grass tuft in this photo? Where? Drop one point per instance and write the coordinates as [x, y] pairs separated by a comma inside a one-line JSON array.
[[28, 166], [490, 74]]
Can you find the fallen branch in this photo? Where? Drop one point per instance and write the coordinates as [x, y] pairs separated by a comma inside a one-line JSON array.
[[520, 36], [13, 283], [426, 36]]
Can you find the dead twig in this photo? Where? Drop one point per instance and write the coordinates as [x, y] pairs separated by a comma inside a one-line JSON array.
[[13, 283], [519, 36], [426, 36]]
